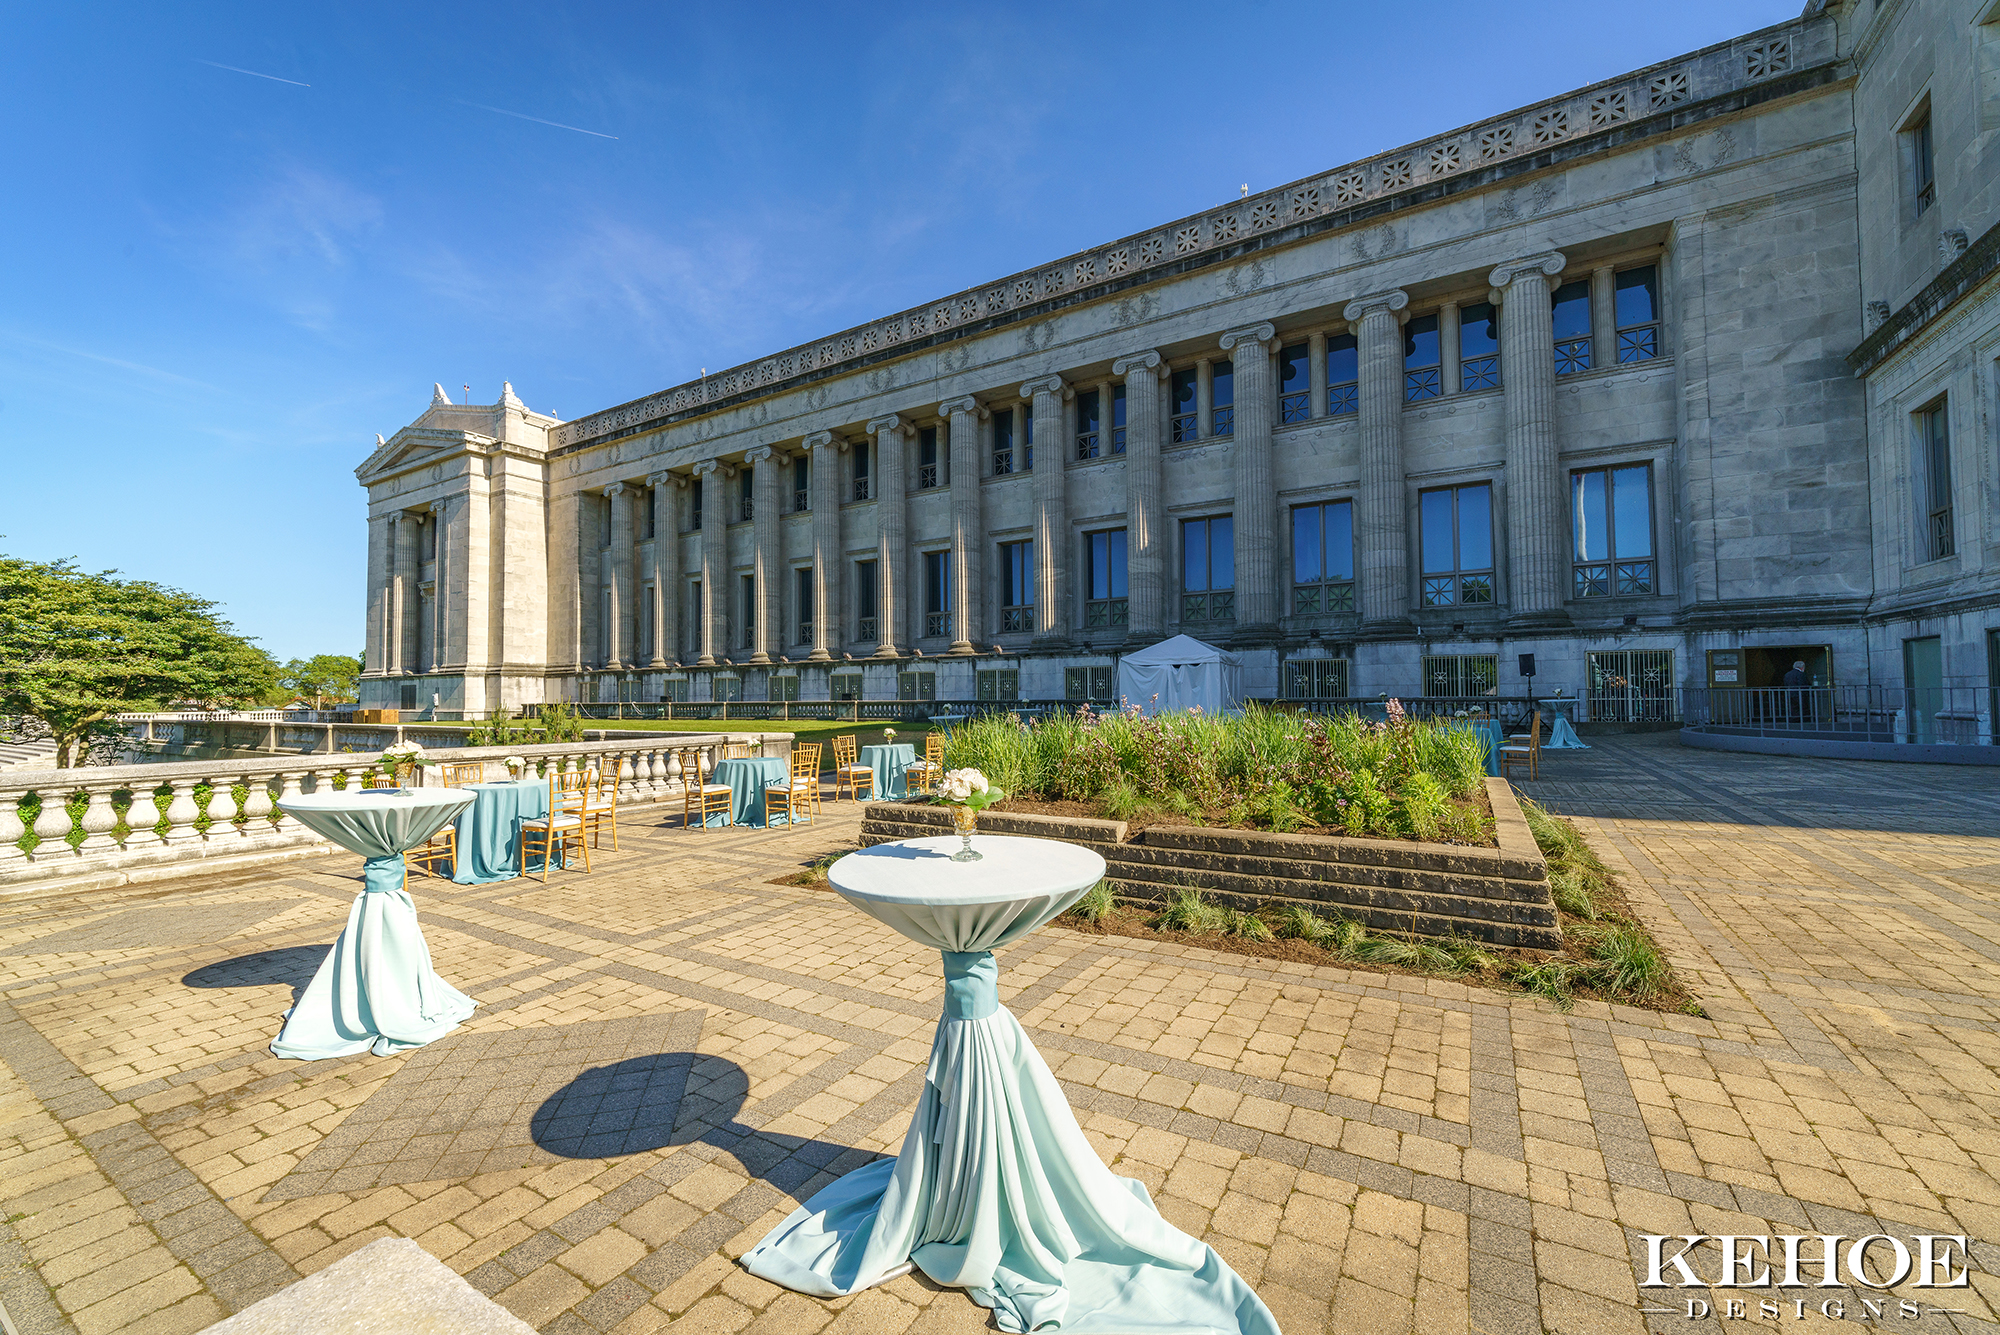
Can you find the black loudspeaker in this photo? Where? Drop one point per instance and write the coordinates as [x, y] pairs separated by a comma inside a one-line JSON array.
[[1527, 665]]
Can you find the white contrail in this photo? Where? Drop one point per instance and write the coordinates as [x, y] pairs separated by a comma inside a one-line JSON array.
[[234, 70], [536, 119]]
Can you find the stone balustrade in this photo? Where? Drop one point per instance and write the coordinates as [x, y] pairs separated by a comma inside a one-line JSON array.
[[92, 845]]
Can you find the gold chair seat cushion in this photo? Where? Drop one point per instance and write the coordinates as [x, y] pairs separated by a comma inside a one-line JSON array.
[[558, 822]]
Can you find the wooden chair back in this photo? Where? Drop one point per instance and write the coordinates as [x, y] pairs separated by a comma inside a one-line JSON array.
[[463, 774], [736, 750], [846, 750], [934, 749], [570, 789], [805, 760]]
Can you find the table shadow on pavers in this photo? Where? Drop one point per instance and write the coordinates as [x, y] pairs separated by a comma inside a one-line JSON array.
[[156, 926], [287, 966]]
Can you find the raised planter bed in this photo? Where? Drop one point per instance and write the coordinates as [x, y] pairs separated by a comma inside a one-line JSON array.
[[1497, 895]]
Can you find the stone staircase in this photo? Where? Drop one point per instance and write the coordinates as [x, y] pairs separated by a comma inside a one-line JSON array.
[[27, 755]]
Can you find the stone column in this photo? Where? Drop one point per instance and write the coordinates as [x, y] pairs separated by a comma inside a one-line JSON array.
[[769, 558], [1145, 525], [1382, 509], [829, 617], [1534, 507], [714, 610], [1250, 349], [1051, 511], [381, 552], [1448, 369], [624, 612], [891, 510], [406, 601], [1603, 317], [968, 526], [1316, 356], [439, 643], [666, 567]]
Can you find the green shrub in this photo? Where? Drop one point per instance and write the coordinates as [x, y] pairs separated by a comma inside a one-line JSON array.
[[1425, 803], [1296, 922], [1096, 902], [1247, 926], [1625, 964], [1186, 909]]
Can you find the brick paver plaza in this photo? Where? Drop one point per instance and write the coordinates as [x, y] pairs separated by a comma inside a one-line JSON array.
[[670, 1053]]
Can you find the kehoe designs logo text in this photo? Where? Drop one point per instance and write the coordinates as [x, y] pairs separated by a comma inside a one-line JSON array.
[[1873, 1261]]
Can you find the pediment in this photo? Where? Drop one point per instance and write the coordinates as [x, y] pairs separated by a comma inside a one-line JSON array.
[[413, 447]]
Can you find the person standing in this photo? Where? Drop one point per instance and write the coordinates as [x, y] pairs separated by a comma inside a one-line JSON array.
[[1795, 693]]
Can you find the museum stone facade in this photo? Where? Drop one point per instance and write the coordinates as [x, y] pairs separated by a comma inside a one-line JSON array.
[[1665, 382]]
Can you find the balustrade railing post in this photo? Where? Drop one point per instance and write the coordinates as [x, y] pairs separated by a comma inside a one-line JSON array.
[[51, 826], [181, 814], [288, 787], [628, 790], [99, 820], [11, 830], [257, 806]]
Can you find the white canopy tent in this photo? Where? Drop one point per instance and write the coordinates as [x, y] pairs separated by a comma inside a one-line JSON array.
[[1181, 673]]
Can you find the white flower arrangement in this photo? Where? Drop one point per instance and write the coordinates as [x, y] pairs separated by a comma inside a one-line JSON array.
[[395, 757], [515, 764], [888, 734], [968, 788]]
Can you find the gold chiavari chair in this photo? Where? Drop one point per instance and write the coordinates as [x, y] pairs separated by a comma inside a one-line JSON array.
[[699, 798], [551, 834], [848, 771], [923, 776], [375, 778], [800, 792], [464, 775], [1524, 749], [601, 808], [736, 750]]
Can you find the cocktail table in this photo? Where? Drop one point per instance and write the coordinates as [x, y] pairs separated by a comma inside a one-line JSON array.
[[375, 990], [996, 1190]]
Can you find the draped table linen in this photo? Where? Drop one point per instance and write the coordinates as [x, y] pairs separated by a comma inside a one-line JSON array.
[[489, 831], [996, 1190], [376, 990], [1489, 733], [1562, 734], [747, 780], [889, 762]]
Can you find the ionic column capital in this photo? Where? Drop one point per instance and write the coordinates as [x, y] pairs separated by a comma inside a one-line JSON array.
[[758, 455], [1388, 303], [435, 507], [967, 404], [1054, 384], [1265, 334], [664, 479], [1149, 360], [818, 440], [707, 466], [1548, 264], [616, 490], [893, 424]]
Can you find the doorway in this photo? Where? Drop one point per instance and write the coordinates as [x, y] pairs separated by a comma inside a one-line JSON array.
[[1923, 682], [1766, 665]]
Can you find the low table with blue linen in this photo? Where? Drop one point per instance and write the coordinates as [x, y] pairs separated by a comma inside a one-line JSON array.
[[489, 832], [889, 762], [375, 991], [1562, 736], [996, 1190], [747, 780]]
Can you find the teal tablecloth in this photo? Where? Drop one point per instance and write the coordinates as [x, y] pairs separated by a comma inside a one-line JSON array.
[[375, 990], [489, 831], [1488, 731], [747, 780], [996, 1190], [889, 762]]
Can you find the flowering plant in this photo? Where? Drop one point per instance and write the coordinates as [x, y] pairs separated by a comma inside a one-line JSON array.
[[968, 788], [888, 734], [514, 764], [402, 753]]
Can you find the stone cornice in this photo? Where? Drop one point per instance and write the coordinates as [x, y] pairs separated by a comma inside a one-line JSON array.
[[1051, 384], [1388, 302], [1265, 333], [1660, 100], [1956, 281], [892, 423], [1149, 360], [1549, 263]]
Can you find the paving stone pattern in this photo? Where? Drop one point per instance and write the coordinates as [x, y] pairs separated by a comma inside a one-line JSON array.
[[672, 1052]]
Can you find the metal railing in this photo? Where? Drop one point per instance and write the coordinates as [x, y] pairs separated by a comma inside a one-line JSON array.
[[1946, 715]]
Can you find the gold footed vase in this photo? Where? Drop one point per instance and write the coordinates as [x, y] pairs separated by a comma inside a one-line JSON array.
[[965, 820]]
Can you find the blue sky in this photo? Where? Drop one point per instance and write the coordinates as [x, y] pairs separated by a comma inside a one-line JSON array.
[[218, 286]]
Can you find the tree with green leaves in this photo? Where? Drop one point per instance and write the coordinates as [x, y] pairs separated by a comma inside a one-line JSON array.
[[77, 648], [323, 677]]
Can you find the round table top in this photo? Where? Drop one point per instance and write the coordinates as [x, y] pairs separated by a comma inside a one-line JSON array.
[[378, 822], [359, 799], [502, 785], [920, 871]]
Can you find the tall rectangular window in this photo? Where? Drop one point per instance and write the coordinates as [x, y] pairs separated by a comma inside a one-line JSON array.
[[998, 683], [1343, 374], [647, 629], [861, 453], [648, 514], [1294, 384], [1316, 678], [802, 599], [916, 685], [802, 497], [1027, 442], [937, 593], [1479, 346], [1461, 675], [1181, 407], [846, 686], [1612, 509], [785, 686], [927, 458], [1087, 424], [1934, 474], [1222, 399], [692, 611], [1017, 586], [1637, 306], [1118, 419], [1457, 545], [1323, 558], [1422, 376], [745, 495], [1923, 164], [694, 503], [1569, 307], [1003, 442], [1104, 576], [746, 625], [1208, 570], [866, 602]]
